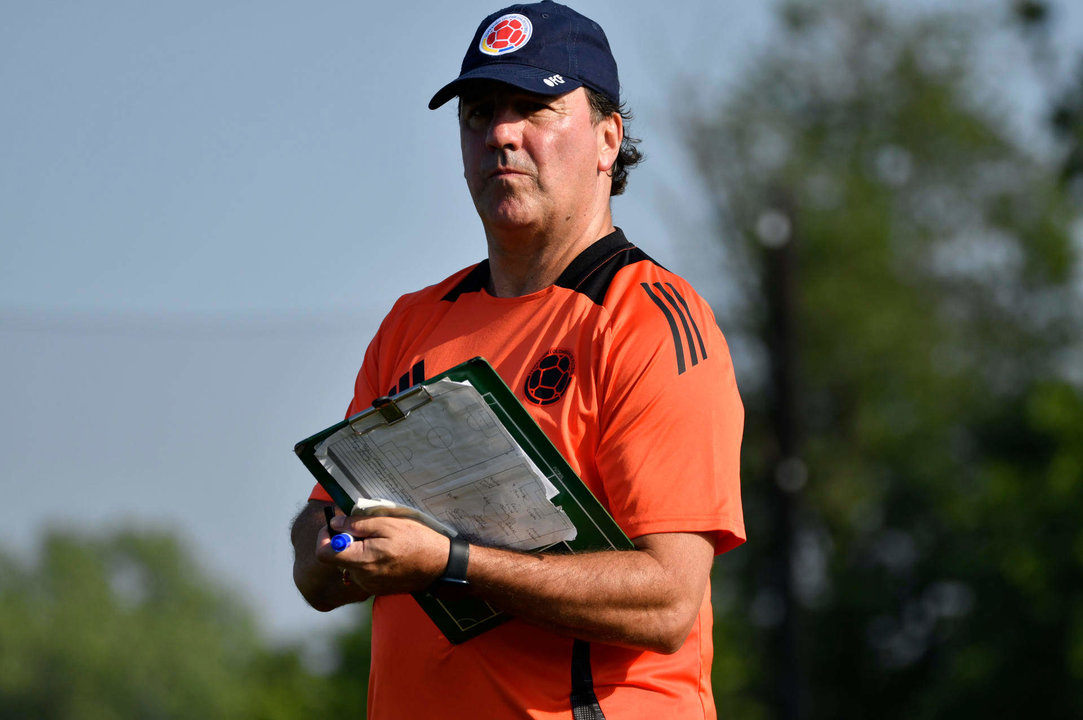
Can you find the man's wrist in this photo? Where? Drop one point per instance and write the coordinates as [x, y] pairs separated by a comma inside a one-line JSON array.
[[453, 580]]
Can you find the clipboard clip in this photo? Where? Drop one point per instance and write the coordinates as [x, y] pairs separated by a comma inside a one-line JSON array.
[[388, 410]]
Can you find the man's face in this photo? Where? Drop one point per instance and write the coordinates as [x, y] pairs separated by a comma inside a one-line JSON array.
[[529, 160]]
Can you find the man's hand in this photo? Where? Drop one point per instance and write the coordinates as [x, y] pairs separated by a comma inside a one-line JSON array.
[[389, 555], [321, 585]]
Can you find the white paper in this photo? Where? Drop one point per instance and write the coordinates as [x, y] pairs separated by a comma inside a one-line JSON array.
[[453, 459]]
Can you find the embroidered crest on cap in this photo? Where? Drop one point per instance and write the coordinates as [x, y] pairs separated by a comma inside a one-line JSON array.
[[507, 34]]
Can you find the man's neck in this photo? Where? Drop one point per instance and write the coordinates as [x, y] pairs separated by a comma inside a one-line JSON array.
[[524, 261]]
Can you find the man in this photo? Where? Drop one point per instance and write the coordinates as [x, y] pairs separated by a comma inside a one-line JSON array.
[[649, 416]]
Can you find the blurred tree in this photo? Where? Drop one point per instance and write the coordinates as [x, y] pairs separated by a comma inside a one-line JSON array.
[[1035, 20], [907, 328], [1067, 118], [125, 626]]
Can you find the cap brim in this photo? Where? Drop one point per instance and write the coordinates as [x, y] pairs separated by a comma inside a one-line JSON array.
[[524, 77]]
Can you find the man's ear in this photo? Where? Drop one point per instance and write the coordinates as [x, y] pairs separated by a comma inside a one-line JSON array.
[[610, 134]]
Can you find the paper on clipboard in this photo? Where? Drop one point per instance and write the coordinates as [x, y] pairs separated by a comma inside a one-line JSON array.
[[449, 457]]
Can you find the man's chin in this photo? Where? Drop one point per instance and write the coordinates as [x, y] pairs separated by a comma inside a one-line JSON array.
[[507, 216]]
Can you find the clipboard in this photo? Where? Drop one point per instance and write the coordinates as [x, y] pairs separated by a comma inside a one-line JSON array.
[[463, 618]]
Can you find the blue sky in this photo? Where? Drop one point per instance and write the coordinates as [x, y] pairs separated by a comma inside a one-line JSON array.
[[258, 157], [206, 208]]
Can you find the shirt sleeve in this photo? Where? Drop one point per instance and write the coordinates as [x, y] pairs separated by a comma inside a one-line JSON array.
[[670, 440]]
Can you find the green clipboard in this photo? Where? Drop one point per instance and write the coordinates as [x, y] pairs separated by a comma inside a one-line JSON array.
[[462, 619]]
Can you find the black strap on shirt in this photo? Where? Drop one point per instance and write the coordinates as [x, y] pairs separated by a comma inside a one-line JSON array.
[[584, 702]]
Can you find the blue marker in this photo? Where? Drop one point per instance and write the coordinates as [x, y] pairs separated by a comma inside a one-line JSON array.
[[340, 541]]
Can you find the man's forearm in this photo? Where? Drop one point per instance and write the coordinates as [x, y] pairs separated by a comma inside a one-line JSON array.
[[646, 598]]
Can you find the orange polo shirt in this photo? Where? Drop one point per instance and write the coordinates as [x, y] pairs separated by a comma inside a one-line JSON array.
[[623, 366]]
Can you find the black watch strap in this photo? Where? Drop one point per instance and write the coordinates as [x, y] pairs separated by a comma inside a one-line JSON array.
[[458, 557]]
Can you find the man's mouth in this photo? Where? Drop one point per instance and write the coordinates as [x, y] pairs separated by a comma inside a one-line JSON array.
[[504, 172]]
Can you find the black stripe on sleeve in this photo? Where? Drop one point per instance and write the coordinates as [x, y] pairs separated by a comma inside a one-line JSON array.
[[702, 348], [684, 322], [672, 326]]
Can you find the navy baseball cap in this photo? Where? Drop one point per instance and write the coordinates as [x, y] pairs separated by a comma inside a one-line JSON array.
[[543, 47]]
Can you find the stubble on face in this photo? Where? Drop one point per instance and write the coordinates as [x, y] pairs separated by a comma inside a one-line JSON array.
[[507, 189]]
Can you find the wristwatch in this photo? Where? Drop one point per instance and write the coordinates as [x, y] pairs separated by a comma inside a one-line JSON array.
[[453, 582]]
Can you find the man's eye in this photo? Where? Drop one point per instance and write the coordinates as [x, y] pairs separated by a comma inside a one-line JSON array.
[[477, 112], [535, 106]]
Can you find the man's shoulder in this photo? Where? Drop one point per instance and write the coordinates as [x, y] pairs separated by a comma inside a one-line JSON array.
[[594, 273], [446, 290], [619, 276]]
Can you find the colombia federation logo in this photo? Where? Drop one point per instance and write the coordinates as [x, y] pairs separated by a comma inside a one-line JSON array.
[[550, 377], [507, 34]]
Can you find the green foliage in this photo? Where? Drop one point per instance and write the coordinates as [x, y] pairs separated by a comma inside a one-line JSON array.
[[936, 542], [126, 626]]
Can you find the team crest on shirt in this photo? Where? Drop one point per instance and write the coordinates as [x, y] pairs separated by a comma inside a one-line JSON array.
[[507, 34], [550, 377]]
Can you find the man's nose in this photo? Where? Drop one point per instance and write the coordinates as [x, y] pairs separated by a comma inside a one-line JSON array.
[[505, 129]]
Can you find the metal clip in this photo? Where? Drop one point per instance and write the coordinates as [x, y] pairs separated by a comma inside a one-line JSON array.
[[387, 408]]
